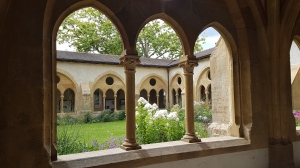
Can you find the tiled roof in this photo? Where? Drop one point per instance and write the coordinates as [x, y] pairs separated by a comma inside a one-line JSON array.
[[68, 56]]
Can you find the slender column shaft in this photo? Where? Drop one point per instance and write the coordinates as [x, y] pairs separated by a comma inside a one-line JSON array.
[[157, 100], [62, 103], [188, 67], [206, 97], [104, 104], [177, 102], [115, 103], [129, 63]]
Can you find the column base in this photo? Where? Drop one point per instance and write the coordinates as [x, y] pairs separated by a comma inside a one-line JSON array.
[[127, 145], [281, 153], [190, 138]]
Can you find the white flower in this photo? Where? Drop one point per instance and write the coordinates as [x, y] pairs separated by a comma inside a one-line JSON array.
[[173, 116], [142, 101], [147, 106], [160, 114], [167, 124], [154, 106], [136, 113]]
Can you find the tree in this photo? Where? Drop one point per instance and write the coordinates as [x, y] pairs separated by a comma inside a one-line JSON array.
[[88, 30], [158, 39]]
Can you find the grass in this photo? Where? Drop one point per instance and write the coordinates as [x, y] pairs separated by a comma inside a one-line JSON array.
[[99, 131], [103, 131]]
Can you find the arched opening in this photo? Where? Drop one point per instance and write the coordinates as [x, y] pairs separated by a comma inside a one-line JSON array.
[[110, 100], [295, 80], [179, 98], [157, 39], [88, 30], [153, 98], [69, 101], [98, 100], [202, 93], [217, 78], [144, 94], [120, 100], [162, 99], [174, 97], [209, 94]]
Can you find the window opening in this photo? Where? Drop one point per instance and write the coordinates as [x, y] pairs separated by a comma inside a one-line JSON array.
[[69, 100], [179, 80], [152, 82], [109, 80]]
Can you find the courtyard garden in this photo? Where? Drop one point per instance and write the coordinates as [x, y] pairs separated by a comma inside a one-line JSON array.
[[107, 130]]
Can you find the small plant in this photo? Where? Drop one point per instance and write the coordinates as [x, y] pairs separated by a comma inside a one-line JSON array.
[[202, 112], [68, 139], [297, 117]]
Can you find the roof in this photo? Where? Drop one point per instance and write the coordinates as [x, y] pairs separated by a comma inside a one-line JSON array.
[[69, 56]]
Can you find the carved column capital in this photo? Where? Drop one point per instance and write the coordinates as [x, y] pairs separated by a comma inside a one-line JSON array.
[[188, 65], [129, 62]]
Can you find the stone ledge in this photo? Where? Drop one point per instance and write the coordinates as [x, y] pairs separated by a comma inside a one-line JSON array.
[[117, 157]]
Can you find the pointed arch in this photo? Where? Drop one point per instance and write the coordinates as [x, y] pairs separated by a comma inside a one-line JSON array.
[[176, 27]]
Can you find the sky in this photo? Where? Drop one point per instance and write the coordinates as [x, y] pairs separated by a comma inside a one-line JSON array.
[[210, 34]]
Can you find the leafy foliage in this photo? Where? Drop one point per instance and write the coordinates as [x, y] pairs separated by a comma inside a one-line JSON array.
[[202, 112], [88, 30], [156, 125]]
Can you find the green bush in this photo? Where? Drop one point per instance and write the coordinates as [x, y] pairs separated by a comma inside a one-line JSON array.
[[202, 112], [156, 125], [67, 120]]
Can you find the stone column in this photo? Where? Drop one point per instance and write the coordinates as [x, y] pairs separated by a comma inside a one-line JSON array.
[[115, 104], [157, 100], [129, 63], [206, 96], [148, 98], [188, 68], [280, 145], [62, 103], [104, 105], [177, 102]]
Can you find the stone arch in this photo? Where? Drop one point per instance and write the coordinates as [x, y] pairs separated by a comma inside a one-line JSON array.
[[120, 104], [65, 82], [69, 100], [110, 99], [297, 41], [153, 96], [67, 74], [202, 93], [176, 27], [173, 82], [162, 100], [144, 84], [118, 82], [98, 102], [175, 86], [98, 6], [201, 79], [143, 93]]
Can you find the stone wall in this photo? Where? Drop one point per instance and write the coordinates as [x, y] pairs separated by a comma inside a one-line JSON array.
[[222, 90]]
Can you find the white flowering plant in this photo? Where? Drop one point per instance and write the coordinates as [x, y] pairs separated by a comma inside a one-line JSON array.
[[154, 125], [202, 112]]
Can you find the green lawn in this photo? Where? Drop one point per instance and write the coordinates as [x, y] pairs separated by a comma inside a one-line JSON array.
[[98, 131]]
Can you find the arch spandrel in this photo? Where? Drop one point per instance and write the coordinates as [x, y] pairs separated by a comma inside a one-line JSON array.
[[145, 85], [100, 82]]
